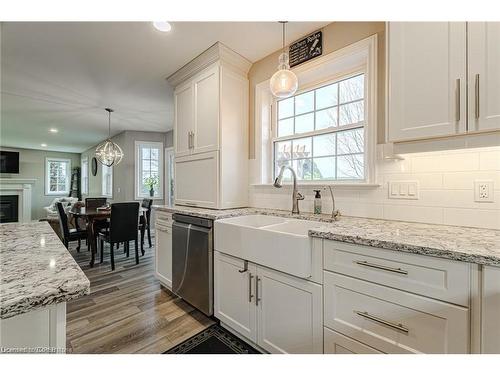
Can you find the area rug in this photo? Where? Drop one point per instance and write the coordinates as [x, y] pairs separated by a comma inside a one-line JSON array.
[[213, 340]]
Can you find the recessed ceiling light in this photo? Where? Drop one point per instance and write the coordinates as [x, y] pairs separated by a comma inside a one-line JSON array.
[[163, 26], [44, 145], [53, 130]]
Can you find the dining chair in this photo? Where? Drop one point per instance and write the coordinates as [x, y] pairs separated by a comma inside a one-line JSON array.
[[145, 222], [67, 233], [122, 228]]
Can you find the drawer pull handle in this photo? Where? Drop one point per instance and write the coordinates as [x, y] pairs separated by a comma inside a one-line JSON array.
[[381, 267], [397, 326], [250, 295]]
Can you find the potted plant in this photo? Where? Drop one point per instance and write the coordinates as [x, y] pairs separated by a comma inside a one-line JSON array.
[[151, 182]]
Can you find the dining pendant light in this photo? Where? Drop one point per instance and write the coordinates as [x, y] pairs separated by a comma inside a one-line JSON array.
[[284, 82], [109, 153]]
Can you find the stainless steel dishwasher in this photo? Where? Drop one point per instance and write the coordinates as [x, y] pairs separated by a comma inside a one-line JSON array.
[[192, 261]]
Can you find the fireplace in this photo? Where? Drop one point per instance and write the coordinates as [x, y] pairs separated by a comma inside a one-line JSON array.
[[9, 208]]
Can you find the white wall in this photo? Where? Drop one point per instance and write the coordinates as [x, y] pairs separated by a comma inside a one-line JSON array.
[[446, 181]]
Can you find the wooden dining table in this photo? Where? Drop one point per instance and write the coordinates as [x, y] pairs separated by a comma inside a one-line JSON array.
[[93, 217]]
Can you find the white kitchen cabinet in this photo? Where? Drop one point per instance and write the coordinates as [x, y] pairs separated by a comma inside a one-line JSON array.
[[335, 343], [490, 310], [427, 79], [184, 120], [280, 313], [484, 75], [394, 321], [211, 115], [235, 294], [289, 313], [163, 250]]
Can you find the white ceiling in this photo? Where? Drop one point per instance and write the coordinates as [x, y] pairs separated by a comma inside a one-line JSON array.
[[62, 75]]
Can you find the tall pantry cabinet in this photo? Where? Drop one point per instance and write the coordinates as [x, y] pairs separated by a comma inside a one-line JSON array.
[[443, 79], [211, 130]]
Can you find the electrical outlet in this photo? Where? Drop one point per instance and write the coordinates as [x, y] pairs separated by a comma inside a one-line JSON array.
[[483, 190], [403, 190]]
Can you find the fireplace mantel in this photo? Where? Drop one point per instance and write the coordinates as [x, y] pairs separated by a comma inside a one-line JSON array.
[[22, 188]]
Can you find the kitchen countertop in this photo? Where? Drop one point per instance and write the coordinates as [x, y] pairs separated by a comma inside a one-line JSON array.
[[36, 270], [474, 245]]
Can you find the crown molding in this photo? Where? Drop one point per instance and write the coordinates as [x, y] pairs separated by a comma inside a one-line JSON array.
[[217, 52]]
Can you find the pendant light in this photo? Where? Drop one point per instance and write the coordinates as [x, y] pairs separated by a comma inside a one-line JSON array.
[[109, 153], [284, 82]]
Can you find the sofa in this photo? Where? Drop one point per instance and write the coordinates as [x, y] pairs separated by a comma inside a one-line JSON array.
[[51, 210]]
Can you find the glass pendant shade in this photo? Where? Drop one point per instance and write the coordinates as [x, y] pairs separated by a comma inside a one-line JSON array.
[[109, 153], [284, 82]]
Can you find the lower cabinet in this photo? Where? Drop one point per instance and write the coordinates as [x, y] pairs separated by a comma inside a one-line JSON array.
[[278, 312], [336, 343], [490, 308], [163, 253]]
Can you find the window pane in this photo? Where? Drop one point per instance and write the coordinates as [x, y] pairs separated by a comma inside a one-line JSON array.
[[324, 168], [324, 145], [326, 118], [154, 153], [326, 96], [352, 89], [304, 103], [154, 165], [285, 127], [302, 148], [304, 123], [350, 167], [283, 150], [285, 108], [350, 141], [351, 113], [302, 168], [145, 165], [146, 153]]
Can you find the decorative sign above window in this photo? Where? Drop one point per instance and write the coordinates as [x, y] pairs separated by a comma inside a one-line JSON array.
[[306, 48]]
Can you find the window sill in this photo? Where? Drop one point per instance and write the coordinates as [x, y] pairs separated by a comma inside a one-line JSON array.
[[350, 185]]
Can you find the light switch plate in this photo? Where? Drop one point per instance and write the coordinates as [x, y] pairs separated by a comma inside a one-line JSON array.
[[403, 190], [483, 191]]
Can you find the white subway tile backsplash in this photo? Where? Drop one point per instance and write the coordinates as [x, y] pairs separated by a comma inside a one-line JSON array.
[[465, 180], [446, 163], [489, 160], [472, 217], [433, 215]]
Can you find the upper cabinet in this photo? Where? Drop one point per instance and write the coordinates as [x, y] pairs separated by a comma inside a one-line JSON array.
[[441, 76], [484, 75], [211, 129]]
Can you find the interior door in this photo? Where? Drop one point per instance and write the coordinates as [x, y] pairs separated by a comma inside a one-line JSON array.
[[184, 121], [427, 86], [206, 110], [484, 75], [234, 294], [290, 317]]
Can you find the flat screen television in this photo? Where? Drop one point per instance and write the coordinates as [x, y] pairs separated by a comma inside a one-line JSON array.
[[9, 162]]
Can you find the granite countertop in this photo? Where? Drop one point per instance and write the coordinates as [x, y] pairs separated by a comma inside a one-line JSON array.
[[474, 245], [36, 270]]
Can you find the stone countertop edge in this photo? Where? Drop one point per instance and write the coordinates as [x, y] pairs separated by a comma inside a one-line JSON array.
[[36, 270]]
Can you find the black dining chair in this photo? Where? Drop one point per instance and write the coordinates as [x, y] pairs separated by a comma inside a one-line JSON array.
[[145, 222], [67, 233], [122, 228]]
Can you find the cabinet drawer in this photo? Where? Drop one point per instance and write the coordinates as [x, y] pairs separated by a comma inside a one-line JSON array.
[[442, 279], [163, 218], [335, 343], [391, 320]]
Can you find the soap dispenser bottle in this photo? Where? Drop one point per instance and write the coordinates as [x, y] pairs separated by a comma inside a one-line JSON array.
[[317, 202]]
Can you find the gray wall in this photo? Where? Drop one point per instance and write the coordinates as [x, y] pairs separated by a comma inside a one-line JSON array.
[[124, 173], [32, 165]]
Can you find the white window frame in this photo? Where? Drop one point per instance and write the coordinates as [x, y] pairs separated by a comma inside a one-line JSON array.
[[355, 58], [331, 130], [104, 186], [47, 176], [84, 187], [159, 190]]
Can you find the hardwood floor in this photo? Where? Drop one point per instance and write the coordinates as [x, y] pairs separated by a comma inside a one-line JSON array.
[[127, 310]]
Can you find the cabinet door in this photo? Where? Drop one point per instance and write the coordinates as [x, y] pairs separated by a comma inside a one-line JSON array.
[[335, 343], [206, 110], [197, 179], [184, 122], [289, 313], [163, 254], [426, 72], [484, 75], [490, 330], [234, 294]]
